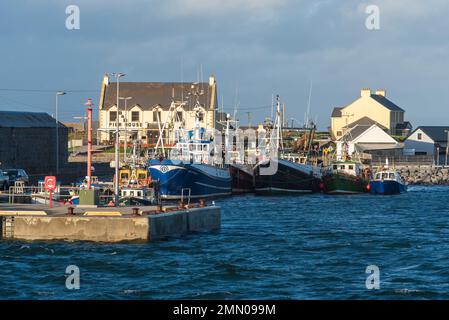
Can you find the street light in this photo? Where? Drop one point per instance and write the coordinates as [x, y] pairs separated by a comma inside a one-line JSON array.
[[447, 145], [59, 93], [117, 75], [126, 124]]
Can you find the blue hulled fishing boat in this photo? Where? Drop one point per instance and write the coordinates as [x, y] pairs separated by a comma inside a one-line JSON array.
[[192, 170], [387, 181]]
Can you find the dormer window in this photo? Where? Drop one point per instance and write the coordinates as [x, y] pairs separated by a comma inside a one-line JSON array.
[[179, 117], [135, 116], [112, 115]]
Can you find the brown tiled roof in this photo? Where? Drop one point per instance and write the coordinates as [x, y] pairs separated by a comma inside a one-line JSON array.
[[151, 94]]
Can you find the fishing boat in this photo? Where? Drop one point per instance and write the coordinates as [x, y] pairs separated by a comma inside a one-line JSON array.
[[242, 172], [387, 181], [242, 177], [290, 177], [137, 196], [192, 170], [346, 177], [281, 173]]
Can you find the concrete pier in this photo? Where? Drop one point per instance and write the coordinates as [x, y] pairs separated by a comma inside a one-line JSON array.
[[38, 222]]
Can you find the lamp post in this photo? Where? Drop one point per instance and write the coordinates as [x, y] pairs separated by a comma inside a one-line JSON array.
[[126, 124], [118, 75], [59, 93], [89, 143], [447, 145]]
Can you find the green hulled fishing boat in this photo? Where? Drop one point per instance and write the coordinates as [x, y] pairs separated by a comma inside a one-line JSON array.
[[346, 177]]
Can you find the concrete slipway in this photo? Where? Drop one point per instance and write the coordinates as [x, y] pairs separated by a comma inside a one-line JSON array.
[[111, 224]]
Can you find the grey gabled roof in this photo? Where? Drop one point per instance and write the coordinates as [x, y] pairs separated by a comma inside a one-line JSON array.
[[365, 121], [386, 103], [355, 132], [436, 133], [336, 113], [18, 119]]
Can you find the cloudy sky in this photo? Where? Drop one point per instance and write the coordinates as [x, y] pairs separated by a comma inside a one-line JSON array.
[[255, 48]]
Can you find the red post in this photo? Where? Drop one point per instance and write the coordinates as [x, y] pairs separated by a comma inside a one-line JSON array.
[[89, 143]]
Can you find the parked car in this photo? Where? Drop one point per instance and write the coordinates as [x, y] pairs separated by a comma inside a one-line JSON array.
[[15, 175], [3, 180]]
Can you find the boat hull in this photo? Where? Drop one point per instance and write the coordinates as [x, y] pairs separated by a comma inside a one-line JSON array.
[[337, 183], [387, 187], [178, 180], [289, 178], [242, 178]]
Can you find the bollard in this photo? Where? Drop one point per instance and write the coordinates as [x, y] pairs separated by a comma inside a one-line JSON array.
[[70, 211], [136, 211]]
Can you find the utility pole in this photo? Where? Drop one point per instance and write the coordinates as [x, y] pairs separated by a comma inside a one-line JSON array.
[[59, 93], [117, 139], [89, 143]]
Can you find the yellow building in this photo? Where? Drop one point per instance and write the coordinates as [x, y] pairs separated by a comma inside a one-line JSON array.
[[372, 105]]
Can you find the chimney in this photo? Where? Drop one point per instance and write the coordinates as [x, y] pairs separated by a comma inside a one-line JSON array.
[[106, 79], [381, 92], [211, 80], [365, 92]]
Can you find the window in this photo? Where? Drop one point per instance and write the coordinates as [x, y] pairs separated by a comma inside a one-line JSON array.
[[342, 167], [179, 116], [135, 116], [201, 117], [419, 136], [338, 133], [335, 167], [157, 116], [112, 115], [351, 167]]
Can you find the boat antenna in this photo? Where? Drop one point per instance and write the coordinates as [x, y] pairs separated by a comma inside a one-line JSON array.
[[182, 79], [308, 105]]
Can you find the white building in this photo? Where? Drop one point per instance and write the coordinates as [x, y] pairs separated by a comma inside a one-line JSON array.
[[428, 140], [154, 106], [366, 139]]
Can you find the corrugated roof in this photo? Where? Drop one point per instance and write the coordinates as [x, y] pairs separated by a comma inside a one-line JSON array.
[[377, 146], [386, 103], [437, 133], [151, 94], [18, 119]]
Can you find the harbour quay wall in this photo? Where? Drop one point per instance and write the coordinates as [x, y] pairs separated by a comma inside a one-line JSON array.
[[424, 175], [146, 227]]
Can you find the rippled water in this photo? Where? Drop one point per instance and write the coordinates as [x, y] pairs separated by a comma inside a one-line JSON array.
[[303, 247]]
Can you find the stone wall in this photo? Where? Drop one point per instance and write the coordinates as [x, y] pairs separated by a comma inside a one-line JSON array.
[[425, 175]]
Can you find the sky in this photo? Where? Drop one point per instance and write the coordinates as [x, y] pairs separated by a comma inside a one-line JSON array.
[[255, 48]]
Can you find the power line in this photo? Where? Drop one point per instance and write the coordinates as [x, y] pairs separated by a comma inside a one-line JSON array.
[[45, 90]]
